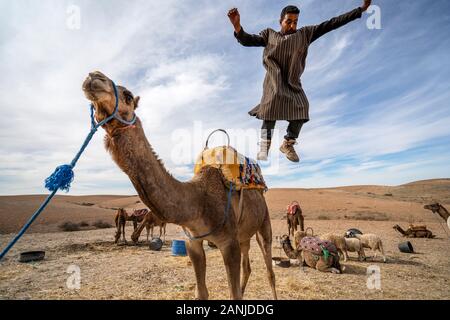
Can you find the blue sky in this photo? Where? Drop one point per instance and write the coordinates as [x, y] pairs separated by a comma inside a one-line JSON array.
[[380, 110]]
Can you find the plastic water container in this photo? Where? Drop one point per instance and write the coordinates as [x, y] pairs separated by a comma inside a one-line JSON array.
[[179, 248]]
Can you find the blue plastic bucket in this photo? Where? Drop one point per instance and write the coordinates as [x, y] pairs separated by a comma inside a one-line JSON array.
[[179, 248]]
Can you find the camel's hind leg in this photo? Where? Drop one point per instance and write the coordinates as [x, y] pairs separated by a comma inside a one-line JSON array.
[[117, 222], [123, 222], [197, 255], [246, 269], [264, 239]]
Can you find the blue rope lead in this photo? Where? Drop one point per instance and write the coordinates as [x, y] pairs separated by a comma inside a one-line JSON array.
[[63, 175]]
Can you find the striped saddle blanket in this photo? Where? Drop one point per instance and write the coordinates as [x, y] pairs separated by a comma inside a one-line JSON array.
[[139, 213], [241, 171], [292, 208]]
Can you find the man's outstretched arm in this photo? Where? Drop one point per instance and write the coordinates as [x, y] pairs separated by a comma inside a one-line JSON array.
[[334, 23], [248, 40]]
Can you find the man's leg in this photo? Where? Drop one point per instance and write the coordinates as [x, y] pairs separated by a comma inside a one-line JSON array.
[[290, 138], [266, 138]]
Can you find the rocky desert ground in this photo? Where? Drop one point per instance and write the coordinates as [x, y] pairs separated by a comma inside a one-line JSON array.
[[110, 271]]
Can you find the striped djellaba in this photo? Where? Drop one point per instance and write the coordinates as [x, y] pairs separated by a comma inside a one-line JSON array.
[[284, 60]]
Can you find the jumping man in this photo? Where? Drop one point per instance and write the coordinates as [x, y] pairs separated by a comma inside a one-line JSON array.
[[284, 60]]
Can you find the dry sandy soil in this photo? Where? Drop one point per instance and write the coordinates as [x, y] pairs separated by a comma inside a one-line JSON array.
[[109, 271]]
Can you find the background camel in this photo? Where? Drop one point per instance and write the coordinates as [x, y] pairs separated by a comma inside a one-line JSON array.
[[121, 218], [294, 218], [150, 221], [414, 231], [319, 262], [199, 205], [440, 210]]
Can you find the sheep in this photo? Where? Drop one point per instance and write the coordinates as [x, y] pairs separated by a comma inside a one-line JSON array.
[[354, 245], [338, 241], [373, 242]]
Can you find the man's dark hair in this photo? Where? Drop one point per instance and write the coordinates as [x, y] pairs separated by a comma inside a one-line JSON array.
[[289, 9]]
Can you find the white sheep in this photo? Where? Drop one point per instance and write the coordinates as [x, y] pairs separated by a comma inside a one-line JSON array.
[[354, 245], [338, 241], [373, 242]]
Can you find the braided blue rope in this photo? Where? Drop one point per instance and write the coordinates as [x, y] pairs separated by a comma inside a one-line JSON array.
[[63, 175]]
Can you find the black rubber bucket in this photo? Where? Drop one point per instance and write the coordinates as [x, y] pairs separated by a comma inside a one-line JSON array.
[[406, 247], [29, 256], [156, 244]]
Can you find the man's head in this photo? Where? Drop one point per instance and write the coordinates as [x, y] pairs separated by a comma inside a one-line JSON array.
[[289, 19]]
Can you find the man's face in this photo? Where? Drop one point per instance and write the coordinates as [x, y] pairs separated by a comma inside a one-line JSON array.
[[289, 23]]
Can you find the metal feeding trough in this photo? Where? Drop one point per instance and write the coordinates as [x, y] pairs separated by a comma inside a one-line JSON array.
[[281, 262], [29, 256]]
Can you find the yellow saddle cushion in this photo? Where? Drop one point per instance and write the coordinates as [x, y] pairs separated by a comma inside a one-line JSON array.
[[236, 168]]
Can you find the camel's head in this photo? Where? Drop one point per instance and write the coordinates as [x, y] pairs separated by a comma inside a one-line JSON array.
[[298, 236], [433, 207], [99, 89], [285, 239]]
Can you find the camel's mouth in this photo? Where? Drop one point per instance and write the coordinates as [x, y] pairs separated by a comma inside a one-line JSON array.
[[95, 84]]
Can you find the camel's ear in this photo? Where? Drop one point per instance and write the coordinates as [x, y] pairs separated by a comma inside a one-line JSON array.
[[136, 102]]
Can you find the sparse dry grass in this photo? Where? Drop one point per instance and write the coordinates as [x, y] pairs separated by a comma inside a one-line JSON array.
[[109, 271]]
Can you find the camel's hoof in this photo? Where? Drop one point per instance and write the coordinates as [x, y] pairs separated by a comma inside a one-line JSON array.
[[335, 271]]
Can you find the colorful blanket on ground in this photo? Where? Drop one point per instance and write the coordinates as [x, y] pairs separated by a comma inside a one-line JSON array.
[[140, 212], [243, 172], [317, 246], [293, 207]]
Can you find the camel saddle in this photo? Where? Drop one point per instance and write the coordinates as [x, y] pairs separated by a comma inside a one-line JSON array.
[[317, 246], [139, 213], [242, 172], [293, 207]]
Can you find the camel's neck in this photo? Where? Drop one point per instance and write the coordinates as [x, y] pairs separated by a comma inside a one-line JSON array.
[[443, 213], [163, 194], [401, 230], [290, 252]]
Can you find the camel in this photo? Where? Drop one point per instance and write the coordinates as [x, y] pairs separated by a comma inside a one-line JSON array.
[[330, 264], [199, 205], [150, 221], [440, 210], [121, 219], [294, 218], [414, 231]]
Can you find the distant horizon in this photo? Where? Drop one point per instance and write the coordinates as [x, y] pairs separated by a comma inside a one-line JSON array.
[[275, 188]]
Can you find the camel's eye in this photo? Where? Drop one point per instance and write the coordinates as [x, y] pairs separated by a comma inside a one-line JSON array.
[[128, 98]]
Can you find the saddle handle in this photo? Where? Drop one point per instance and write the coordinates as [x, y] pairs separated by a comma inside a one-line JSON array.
[[312, 231], [217, 130]]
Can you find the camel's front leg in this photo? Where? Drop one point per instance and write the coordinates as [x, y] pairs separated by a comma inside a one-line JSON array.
[[323, 266], [123, 231], [231, 253], [197, 255]]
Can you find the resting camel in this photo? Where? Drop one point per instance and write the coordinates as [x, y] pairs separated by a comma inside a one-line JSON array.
[[294, 218], [440, 210], [318, 262], [150, 221], [199, 205], [121, 219], [414, 231]]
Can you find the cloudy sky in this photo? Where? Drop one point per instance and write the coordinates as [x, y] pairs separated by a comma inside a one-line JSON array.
[[380, 111]]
